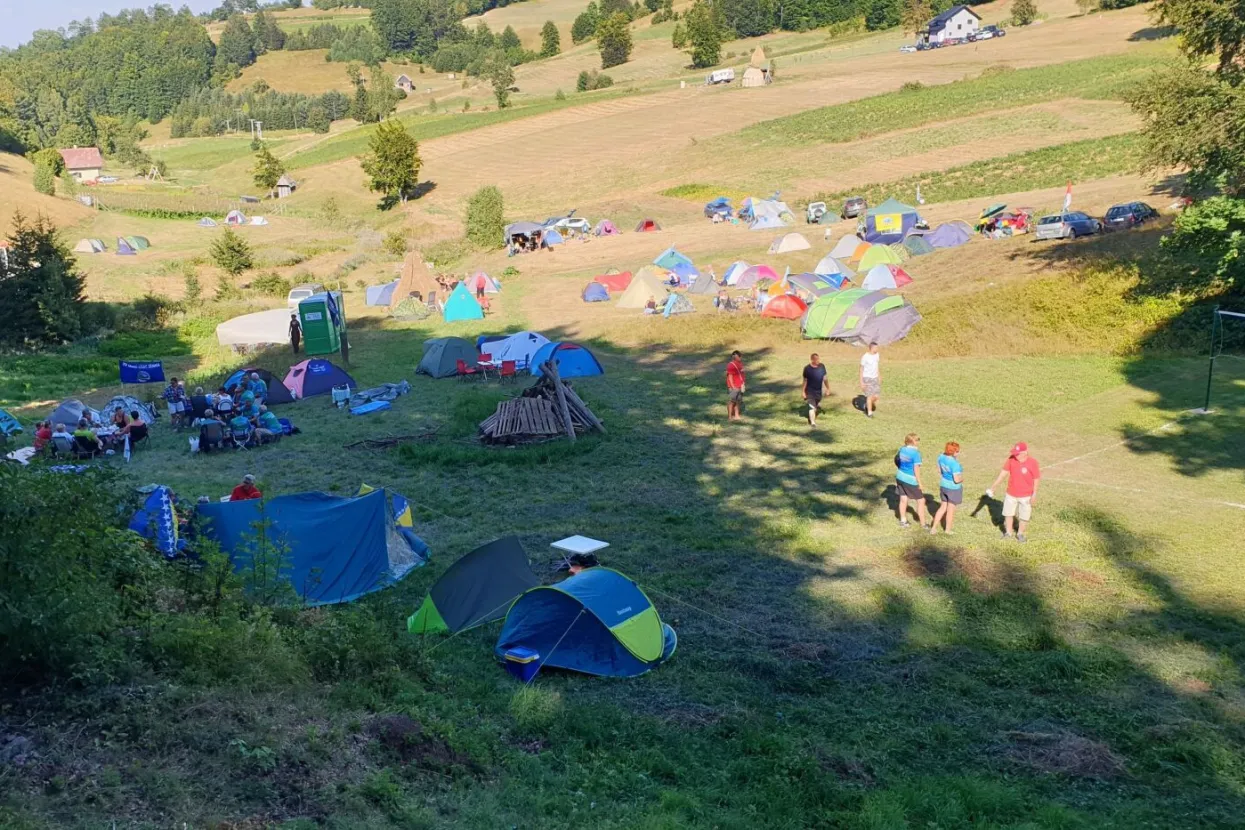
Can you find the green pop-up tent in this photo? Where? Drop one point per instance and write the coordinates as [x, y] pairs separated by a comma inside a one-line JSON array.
[[476, 589]]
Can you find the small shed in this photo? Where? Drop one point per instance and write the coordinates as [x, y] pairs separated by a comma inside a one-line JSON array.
[[285, 186], [405, 84]]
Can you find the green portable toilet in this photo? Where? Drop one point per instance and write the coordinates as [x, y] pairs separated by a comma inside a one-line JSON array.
[[323, 320]]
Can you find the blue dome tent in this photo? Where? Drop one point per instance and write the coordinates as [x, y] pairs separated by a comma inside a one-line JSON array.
[[460, 305], [572, 360], [594, 292], [597, 622], [316, 377]]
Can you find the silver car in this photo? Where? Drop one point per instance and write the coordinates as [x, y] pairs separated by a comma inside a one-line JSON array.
[[1066, 226]]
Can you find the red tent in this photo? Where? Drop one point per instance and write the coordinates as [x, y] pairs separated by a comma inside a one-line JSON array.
[[785, 307], [647, 226], [900, 275], [614, 282]]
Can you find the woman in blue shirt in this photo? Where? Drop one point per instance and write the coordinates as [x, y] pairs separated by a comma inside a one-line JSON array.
[[950, 486], [908, 479]]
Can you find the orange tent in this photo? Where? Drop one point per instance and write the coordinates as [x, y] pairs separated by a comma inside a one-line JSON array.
[[860, 251], [786, 307], [777, 289]]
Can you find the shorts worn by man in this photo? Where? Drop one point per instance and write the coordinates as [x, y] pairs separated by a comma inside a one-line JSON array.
[[1023, 474], [815, 386], [871, 378]]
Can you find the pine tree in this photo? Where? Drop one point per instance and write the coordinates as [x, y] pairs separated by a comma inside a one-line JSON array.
[[268, 170], [1024, 12], [509, 39], [393, 162], [41, 298], [614, 40], [550, 40], [231, 253], [585, 25], [237, 44], [704, 34]]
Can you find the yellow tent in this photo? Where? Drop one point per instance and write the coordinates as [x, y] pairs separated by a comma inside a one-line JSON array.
[[778, 289], [643, 285], [878, 255]]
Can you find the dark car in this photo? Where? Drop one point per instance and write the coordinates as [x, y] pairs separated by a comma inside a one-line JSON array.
[[1128, 215], [854, 207], [1066, 226]]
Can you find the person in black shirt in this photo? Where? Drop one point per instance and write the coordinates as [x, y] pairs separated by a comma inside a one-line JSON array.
[[815, 386]]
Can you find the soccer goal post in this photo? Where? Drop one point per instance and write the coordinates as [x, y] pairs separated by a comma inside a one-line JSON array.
[[1219, 336]]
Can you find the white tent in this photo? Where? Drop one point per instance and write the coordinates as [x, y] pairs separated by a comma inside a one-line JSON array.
[[517, 347], [235, 217], [207, 222], [789, 242], [845, 247], [830, 265], [258, 220], [262, 327]]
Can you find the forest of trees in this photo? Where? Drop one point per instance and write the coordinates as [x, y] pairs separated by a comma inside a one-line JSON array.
[[212, 111]]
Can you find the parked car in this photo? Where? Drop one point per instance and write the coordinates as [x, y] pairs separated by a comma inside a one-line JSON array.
[[995, 31], [1128, 215], [301, 292], [984, 34], [907, 48], [853, 207], [1067, 226]]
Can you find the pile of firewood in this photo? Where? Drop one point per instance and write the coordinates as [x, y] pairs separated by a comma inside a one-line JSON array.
[[547, 409]]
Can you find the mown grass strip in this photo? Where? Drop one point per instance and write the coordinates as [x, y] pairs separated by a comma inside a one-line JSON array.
[[998, 88], [1094, 158]]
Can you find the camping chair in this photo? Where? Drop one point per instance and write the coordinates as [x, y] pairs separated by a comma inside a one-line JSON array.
[[432, 301], [241, 437], [139, 435], [85, 448], [61, 445], [509, 370], [211, 436], [464, 370]]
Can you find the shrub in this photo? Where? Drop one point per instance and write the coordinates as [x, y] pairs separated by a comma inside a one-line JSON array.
[[486, 217], [559, 95], [395, 244], [45, 180], [912, 86], [590, 80], [271, 284], [231, 253], [151, 312], [614, 40]]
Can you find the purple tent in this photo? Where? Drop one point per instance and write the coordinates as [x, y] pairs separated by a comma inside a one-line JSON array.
[[949, 235]]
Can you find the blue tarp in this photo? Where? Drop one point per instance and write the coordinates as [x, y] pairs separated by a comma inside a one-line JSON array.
[[572, 625], [338, 548], [377, 295], [156, 520], [594, 292], [572, 360], [8, 424]]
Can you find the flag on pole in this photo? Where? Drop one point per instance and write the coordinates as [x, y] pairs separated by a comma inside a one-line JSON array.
[[1067, 198]]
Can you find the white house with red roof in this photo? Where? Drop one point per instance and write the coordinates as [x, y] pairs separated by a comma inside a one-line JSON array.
[[85, 164]]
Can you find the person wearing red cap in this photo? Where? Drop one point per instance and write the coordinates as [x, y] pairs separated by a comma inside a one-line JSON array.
[[1023, 474]]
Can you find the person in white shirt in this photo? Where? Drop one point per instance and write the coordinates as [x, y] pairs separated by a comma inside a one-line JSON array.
[[871, 378]]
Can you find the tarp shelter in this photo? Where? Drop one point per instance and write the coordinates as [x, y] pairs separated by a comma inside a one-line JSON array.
[[885, 276], [606, 228], [207, 222], [124, 248], [338, 548], [878, 255], [8, 424], [128, 404], [594, 292], [809, 287], [89, 246], [138, 243], [522, 229], [731, 275], [860, 317], [519, 347], [597, 622], [785, 307], [461, 305], [753, 273], [235, 217], [277, 391], [829, 264], [381, 295], [948, 235], [441, 356], [478, 588], [889, 222], [917, 245], [316, 376], [677, 304], [156, 520], [72, 411], [572, 360], [789, 242], [670, 257], [260, 328], [614, 282], [647, 226], [480, 280], [644, 285], [845, 247], [703, 284]]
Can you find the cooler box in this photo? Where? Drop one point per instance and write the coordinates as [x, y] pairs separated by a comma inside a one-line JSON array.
[[522, 662]]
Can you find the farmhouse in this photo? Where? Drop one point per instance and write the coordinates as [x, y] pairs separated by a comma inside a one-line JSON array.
[[83, 163], [957, 22], [405, 84]]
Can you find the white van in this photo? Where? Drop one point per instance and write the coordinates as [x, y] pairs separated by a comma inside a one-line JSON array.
[[720, 76]]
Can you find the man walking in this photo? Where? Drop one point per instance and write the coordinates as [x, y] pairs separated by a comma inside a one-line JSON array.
[[815, 386], [1023, 474], [735, 386], [871, 377]]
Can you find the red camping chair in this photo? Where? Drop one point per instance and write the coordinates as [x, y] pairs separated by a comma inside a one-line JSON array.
[[464, 370], [509, 369]]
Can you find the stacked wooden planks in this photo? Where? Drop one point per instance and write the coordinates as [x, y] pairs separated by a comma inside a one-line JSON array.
[[547, 409]]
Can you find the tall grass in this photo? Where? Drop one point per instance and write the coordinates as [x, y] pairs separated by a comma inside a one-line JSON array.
[[915, 105]]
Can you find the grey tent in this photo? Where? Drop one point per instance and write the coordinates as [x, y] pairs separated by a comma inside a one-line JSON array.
[[917, 245], [678, 304], [703, 284], [441, 356], [71, 411], [207, 222], [860, 317], [128, 404], [476, 589], [89, 246]]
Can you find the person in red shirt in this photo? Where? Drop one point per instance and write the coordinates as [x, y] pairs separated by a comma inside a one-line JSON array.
[[246, 490], [1023, 475], [735, 385], [43, 434]]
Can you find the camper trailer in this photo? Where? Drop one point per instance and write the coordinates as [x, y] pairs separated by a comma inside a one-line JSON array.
[[720, 76]]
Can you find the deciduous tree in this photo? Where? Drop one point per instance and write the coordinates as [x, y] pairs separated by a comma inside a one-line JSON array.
[[497, 71], [614, 40], [392, 163], [485, 220], [268, 170], [1024, 12]]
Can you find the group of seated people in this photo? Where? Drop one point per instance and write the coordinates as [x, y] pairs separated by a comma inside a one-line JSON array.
[[250, 424], [85, 440]]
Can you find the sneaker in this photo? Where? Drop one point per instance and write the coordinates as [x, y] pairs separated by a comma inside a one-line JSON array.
[[868, 414], [933, 531], [904, 525], [1020, 537], [1006, 535]]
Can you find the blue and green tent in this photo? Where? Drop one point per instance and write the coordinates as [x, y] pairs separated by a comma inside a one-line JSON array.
[[597, 622], [8, 424]]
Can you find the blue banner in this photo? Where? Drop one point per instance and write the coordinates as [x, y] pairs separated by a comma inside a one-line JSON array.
[[149, 372]]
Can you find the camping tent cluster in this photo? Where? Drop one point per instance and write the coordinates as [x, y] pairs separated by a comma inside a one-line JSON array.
[[532, 236], [131, 245], [443, 356]]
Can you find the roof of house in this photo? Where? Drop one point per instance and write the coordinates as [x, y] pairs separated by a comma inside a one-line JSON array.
[[402, 78], [286, 181], [940, 21], [82, 158]]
